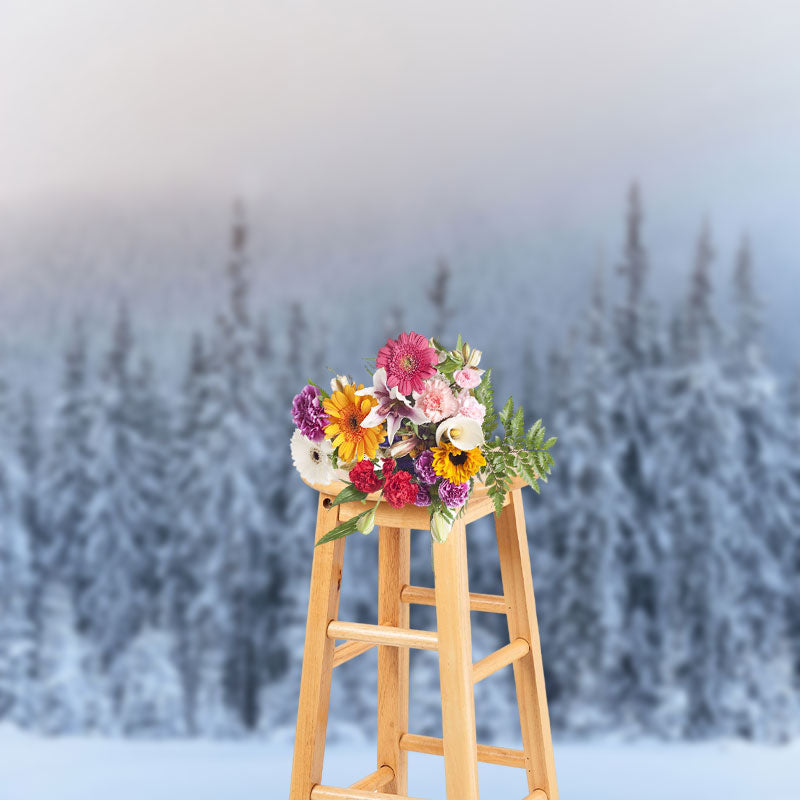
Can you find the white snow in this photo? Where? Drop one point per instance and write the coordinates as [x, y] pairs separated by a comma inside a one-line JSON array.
[[34, 768]]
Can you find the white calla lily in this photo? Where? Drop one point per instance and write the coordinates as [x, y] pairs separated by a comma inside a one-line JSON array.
[[462, 432]]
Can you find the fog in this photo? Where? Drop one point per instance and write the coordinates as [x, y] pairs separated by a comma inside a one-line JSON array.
[[386, 133]]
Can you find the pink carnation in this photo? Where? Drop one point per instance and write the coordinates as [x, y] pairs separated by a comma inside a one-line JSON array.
[[469, 407], [468, 378], [437, 400]]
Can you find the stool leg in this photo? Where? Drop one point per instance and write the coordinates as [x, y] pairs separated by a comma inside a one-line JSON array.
[[315, 684], [515, 567], [394, 572], [455, 665]]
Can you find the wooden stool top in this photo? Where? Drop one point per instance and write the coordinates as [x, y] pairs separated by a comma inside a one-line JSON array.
[[415, 517]]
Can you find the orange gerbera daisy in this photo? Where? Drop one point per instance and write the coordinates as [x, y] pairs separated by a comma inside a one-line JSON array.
[[347, 411]]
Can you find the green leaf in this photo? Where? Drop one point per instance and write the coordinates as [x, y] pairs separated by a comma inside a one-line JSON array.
[[344, 529], [550, 442], [348, 495], [322, 392], [508, 410], [484, 393], [518, 424]]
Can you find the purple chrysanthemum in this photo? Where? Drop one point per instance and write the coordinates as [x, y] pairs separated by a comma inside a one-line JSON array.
[[309, 415], [423, 466], [453, 495], [423, 496]]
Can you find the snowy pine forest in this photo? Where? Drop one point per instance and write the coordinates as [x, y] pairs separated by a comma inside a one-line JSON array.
[[156, 542]]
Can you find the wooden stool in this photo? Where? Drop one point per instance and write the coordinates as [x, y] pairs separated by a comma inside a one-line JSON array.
[[393, 637]]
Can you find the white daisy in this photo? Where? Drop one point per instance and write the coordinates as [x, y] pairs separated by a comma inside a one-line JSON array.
[[312, 459]]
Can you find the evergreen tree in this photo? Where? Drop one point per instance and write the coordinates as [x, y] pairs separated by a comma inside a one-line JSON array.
[[16, 581], [115, 602], [635, 402], [67, 686], [66, 485], [591, 511], [146, 687], [439, 295], [769, 501]]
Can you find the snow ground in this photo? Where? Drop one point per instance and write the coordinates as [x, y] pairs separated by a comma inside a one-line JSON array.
[[104, 769]]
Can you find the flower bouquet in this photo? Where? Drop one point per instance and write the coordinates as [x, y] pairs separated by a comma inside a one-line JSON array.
[[421, 434]]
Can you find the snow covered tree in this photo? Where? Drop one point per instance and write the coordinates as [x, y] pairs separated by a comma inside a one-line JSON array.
[[115, 601], [68, 690], [591, 511], [146, 687], [16, 581], [66, 486], [635, 402], [769, 501]]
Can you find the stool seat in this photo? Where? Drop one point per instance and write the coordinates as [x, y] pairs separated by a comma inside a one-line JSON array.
[[414, 517], [452, 642]]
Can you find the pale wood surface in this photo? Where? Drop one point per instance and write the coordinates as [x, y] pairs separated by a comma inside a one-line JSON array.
[[479, 488], [455, 665], [412, 517], [515, 568], [421, 595], [315, 683], [499, 659], [504, 756], [383, 634], [350, 650], [453, 640], [376, 781], [394, 572], [332, 793]]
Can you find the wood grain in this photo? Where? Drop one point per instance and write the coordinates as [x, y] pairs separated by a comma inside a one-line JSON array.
[[315, 682], [421, 595], [455, 665], [515, 568], [504, 756], [499, 659], [383, 634], [376, 781], [394, 569]]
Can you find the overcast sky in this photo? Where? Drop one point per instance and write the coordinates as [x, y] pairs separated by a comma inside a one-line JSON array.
[[530, 116]]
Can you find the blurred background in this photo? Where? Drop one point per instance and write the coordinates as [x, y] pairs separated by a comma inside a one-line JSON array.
[[206, 204]]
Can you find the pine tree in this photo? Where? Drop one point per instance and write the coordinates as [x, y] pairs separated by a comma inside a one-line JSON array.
[[766, 500], [792, 405], [67, 688], [115, 601], [146, 687], [16, 581], [439, 295], [635, 402], [591, 511], [66, 484], [223, 480]]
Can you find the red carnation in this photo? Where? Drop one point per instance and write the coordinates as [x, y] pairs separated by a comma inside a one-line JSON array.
[[364, 478], [399, 491], [388, 467]]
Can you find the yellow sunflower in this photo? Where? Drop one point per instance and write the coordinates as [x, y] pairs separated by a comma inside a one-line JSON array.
[[457, 466], [346, 412]]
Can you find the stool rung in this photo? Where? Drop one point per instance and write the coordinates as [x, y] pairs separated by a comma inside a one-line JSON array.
[[334, 793], [383, 634], [504, 756], [512, 652], [422, 596], [348, 651], [376, 780], [539, 794]]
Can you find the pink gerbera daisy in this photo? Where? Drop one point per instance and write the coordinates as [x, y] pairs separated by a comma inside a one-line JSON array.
[[408, 361]]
